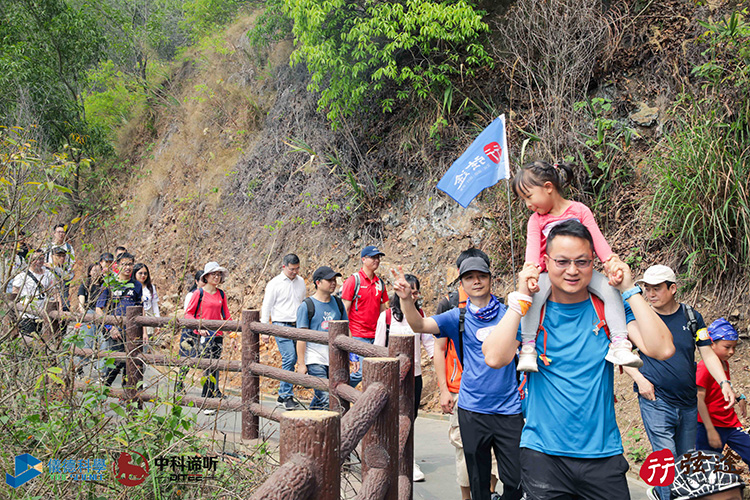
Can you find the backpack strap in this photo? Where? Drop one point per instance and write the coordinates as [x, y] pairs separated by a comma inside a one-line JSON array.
[[599, 308], [388, 319], [200, 299], [356, 291], [310, 310], [340, 303], [223, 299], [691, 319], [543, 356], [461, 330]]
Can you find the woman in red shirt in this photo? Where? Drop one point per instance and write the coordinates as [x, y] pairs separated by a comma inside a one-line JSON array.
[[210, 302]]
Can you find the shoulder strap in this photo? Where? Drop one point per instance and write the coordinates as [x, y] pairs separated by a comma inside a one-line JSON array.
[[340, 303], [388, 319], [691, 319], [461, 330], [222, 303], [31, 275], [599, 308], [310, 310], [356, 291], [200, 299]]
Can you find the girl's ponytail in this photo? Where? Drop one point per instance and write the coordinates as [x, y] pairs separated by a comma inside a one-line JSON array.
[[540, 172]]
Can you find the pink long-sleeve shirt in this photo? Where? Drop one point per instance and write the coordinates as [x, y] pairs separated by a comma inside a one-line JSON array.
[[540, 225]]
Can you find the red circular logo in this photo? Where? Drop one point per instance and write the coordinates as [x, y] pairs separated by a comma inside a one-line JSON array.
[[126, 472]]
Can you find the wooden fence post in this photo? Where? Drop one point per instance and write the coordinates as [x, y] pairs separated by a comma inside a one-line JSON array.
[[380, 444], [133, 347], [311, 438], [250, 382], [401, 346], [338, 366]]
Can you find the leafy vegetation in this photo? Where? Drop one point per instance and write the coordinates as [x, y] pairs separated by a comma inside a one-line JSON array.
[[702, 198], [356, 50]]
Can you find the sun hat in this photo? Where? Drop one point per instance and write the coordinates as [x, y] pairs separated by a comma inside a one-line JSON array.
[[212, 267]]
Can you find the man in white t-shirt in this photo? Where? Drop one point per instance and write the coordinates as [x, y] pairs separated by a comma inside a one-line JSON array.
[[316, 313], [284, 294], [33, 289]]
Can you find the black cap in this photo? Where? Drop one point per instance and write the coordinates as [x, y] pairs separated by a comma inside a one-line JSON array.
[[324, 273], [473, 264]]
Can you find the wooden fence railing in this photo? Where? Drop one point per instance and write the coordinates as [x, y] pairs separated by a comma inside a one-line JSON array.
[[313, 444]]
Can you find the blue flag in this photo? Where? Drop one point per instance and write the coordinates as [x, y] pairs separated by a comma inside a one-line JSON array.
[[481, 166]]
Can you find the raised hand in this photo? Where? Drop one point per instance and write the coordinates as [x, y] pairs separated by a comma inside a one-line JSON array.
[[400, 285]]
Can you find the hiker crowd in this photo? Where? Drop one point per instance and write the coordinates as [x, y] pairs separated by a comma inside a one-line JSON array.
[[528, 379]]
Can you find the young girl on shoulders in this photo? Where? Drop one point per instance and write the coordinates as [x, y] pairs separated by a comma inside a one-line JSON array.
[[540, 185]]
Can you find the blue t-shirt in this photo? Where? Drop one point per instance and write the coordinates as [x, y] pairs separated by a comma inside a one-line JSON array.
[[120, 296], [483, 389], [317, 354], [324, 312], [570, 407], [674, 378]]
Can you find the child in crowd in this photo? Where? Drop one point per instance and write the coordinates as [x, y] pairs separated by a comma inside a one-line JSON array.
[[540, 185], [718, 425]]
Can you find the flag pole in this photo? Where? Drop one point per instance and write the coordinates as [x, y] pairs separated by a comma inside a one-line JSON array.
[[510, 225]]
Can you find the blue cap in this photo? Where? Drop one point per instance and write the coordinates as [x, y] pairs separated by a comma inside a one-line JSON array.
[[722, 330], [371, 251]]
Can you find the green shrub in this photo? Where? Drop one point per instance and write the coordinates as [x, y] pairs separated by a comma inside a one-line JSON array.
[[702, 199], [355, 50]]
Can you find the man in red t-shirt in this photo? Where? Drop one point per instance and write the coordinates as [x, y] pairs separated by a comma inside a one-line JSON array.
[[365, 297], [718, 424]]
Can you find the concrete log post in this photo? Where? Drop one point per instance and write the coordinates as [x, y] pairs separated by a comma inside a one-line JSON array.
[[338, 366], [133, 347], [380, 444], [250, 382], [310, 438], [401, 346]]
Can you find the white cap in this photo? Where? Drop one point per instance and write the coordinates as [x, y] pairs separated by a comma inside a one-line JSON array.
[[212, 267], [655, 275]]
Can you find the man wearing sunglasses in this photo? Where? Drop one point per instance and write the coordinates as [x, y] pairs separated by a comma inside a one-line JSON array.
[[570, 444]]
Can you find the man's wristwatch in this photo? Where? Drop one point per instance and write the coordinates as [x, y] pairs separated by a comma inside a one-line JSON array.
[[726, 382], [633, 291]]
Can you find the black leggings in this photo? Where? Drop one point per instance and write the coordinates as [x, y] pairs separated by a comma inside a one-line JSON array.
[[212, 350]]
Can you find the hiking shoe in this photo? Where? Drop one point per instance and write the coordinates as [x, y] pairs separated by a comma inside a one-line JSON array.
[[527, 359], [209, 411], [292, 404], [651, 494], [623, 356], [418, 474], [495, 496], [281, 402]]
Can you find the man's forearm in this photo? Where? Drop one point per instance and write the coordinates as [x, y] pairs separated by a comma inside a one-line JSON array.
[[635, 374], [412, 316], [440, 350], [658, 343], [500, 346], [713, 364]]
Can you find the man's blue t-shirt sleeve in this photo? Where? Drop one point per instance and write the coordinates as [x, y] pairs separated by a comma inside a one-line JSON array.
[[302, 321], [447, 322]]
